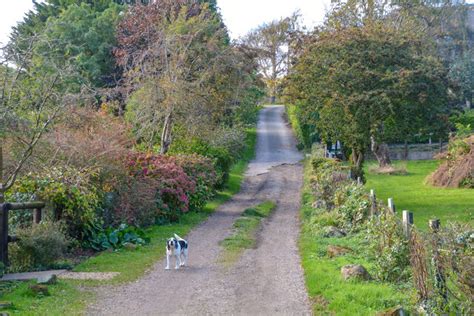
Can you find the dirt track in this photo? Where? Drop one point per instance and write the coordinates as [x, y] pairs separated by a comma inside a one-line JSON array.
[[267, 280]]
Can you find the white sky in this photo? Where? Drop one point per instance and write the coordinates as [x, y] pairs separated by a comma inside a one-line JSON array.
[[240, 16]]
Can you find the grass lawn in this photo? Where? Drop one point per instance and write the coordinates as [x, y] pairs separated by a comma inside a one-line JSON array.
[[329, 293], [245, 232], [72, 297], [426, 202]]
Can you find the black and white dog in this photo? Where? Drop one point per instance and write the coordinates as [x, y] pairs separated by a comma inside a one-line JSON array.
[[177, 247]]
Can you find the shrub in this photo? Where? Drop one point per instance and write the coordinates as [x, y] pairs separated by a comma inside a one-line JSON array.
[[327, 177], [38, 246], [136, 202], [201, 171], [232, 139], [173, 186], [221, 157], [389, 248], [351, 205], [70, 194]]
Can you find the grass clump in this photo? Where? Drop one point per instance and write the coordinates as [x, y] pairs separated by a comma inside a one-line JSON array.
[[245, 232]]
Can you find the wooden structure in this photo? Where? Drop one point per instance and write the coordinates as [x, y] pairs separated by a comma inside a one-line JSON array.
[[5, 208]]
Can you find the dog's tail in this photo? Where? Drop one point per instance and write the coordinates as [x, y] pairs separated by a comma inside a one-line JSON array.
[[177, 237]]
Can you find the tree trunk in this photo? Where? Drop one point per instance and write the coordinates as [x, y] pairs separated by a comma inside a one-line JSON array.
[[357, 159], [166, 135], [381, 152]]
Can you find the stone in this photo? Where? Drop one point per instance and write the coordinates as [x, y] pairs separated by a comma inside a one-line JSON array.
[[5, 304], [332, 231], [354, 271], [318, 204], [39, 289], [335, 251], [47, 279], [130, 246], [395, 311]]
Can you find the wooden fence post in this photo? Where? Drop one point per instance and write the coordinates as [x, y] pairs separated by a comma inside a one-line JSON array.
[[4, 233], [391, 205], [440, 279], [37, 215], [407, 218], [373, 203], [359, 181]]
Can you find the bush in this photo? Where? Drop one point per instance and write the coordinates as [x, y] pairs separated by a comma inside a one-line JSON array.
[[38, 246], [352, 205], [201, 171], [70, 194], [171, 184], [221, 157], [389, 247], [232, 139]]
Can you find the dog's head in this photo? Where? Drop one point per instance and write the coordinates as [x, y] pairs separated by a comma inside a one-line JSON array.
[[171, 244]]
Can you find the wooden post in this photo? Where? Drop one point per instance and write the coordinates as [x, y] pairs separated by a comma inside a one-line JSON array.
[[407, 218], [359, 181], [3, 232], [37, 214], [373, 203], [391, 205], [3, 216], [440, 279], [434, 225]]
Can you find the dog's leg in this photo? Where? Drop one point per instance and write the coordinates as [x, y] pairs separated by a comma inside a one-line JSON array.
[[167, 260], [185, 253], [178, 261]]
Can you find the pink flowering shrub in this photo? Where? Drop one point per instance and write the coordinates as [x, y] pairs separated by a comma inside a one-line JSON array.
[[173, 185], [202, 172]]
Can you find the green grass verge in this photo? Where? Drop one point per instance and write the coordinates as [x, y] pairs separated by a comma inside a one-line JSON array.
[[329, 293], [410, 192], [245, 232], [72, 297]]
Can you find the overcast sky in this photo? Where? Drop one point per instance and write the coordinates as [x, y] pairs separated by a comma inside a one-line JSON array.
[[240, 15]]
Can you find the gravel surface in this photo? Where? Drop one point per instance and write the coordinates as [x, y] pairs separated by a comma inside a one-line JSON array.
[[267, 280]]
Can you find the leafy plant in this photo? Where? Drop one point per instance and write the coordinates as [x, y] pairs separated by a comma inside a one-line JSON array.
[[38, 246], [100, 239]]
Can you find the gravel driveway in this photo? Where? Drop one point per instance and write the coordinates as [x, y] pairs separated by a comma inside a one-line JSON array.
[[267, 280]]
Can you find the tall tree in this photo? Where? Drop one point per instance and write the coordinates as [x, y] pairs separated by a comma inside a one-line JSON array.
[[171, 53], [270, 43], [357, 79], [34, 90]]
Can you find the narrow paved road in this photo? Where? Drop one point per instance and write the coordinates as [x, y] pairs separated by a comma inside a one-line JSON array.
[[267, 280]]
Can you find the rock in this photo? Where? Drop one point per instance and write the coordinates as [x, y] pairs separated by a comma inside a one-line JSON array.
[[130, 246], [39, 289], [334, 251], [5, 304], [396, 311], [332, 231], [47, 279], [318, 204], [355, 271]]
